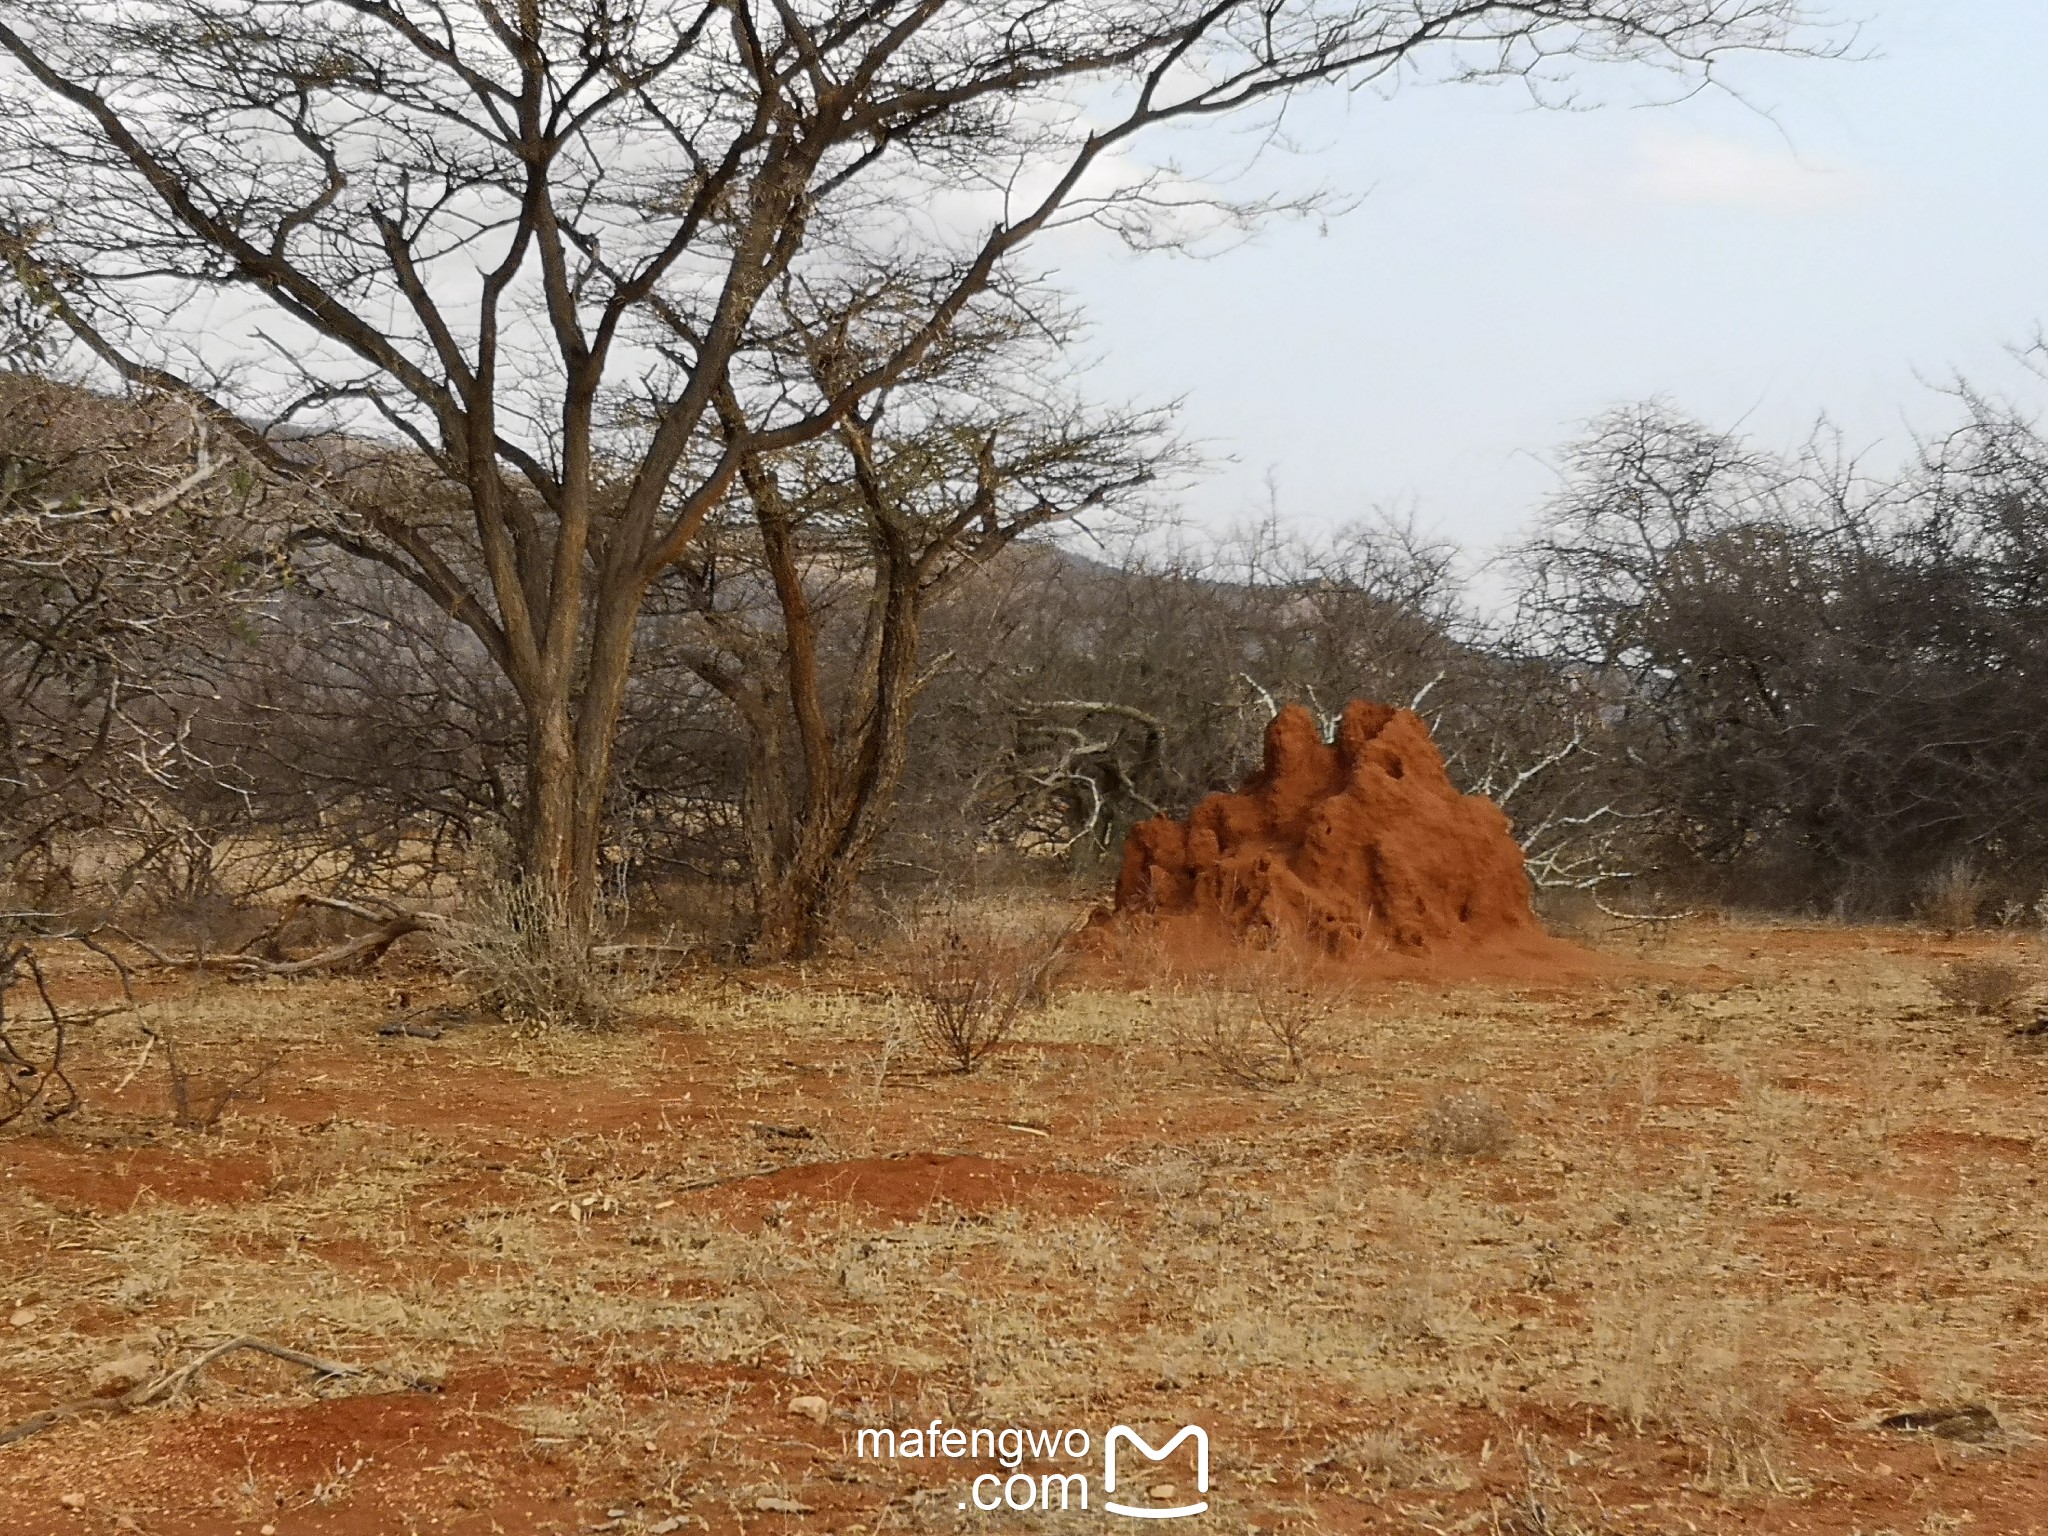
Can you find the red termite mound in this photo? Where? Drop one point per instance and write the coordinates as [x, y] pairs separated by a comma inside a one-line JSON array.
[[1358, 848]]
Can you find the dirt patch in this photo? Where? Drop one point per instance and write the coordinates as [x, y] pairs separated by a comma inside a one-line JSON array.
[[1966, 1146], [303, 1442], [109, 1179], [918, 1187]]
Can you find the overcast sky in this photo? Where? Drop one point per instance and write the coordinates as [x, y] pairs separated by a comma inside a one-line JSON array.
[[1507, 272]]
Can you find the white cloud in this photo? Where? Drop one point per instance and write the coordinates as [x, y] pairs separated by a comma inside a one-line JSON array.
[[1701, 171]]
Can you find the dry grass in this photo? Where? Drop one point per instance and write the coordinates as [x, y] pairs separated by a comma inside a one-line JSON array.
[[1954, 897], [1470, 1123], [1263, 1024], [1981, 986], [1721, 1248]]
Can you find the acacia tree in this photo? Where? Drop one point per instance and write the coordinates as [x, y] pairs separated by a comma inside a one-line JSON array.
[[806, 606], [533, 238]]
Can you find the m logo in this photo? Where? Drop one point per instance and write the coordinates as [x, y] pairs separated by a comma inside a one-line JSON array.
[[1145, 1511]]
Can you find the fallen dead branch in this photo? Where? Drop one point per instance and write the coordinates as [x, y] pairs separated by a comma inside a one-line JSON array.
[[172, 1382], [390, 921], [28, 1077], [364, 949], [1660, 921]]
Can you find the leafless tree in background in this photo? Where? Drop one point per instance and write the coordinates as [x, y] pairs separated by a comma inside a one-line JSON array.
[[371, 718], [131, 561], [1121, 687], [1838, 680], [1092, 694], [540, 240]]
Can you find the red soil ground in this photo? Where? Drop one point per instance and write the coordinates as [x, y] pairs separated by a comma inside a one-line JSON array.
[[1778, 1118]]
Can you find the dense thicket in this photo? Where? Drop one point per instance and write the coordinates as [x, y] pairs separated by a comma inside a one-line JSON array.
[[132, 557], [1838, 683], [1774, 680]]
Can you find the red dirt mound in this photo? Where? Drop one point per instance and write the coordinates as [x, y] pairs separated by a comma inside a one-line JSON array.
[[1356, 849]]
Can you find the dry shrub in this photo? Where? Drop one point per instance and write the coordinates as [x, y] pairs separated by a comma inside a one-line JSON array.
[[1982, 986], [1386, 1457], [32, 1075], [517, 953], [1261, 1038], [1264, 1025], [971, 985], [2021, 912], [1465, 1124], [199, 1099], [1953, 896]]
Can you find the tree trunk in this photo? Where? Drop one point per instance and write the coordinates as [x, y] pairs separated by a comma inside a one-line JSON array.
[[546, 846], [791, 916], [798, 903], [568, 771], [804, 870]]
